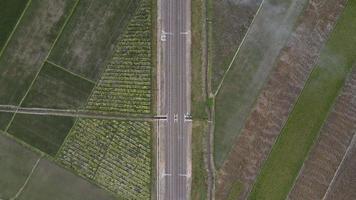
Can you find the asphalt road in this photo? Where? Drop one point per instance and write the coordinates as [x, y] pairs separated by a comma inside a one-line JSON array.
[[174, 35]]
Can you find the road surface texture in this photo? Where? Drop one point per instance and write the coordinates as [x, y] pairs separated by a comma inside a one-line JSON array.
[[174, 168]]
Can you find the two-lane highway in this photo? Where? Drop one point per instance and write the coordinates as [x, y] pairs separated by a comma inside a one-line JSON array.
[[175, 98]]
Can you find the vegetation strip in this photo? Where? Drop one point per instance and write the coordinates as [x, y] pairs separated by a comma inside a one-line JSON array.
[[309, 113]]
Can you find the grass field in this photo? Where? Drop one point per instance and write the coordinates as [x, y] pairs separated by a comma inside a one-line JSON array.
[[16, 163], [57, 88], [309, 113], [10, 12], [250, 70], [46, 133], [49, 181], [90, 36]]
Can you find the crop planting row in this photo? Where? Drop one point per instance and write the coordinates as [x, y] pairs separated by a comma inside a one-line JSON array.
[[125, 86], [115, 154]]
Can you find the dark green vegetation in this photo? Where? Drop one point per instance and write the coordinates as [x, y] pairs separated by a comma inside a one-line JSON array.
[[49, 181], [199, 176], [115, 154], [56, 88], [230, 21], [28, 48], [46, 133], [235, 190], [10, 12], [90, 36], [309, 113], [16, 163], [250, 70]]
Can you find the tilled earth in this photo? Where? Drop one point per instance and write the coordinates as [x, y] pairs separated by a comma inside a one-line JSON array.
[[277, 98], [327, 154]]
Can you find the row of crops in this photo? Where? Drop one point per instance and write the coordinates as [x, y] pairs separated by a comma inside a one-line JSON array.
[[125, 86], [115, 154]]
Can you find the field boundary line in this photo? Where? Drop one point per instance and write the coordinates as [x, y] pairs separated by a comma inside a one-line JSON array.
[[238, 49], [49, 52], [70, 72], [353, 141], [15, 28], [26, 181]]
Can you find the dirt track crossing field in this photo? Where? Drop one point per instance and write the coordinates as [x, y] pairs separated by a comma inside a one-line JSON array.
[[277, 98], [323, 161]]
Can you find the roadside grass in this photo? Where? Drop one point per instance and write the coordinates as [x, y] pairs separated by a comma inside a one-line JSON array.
[[16, 163], [250, 70], [57, 88], [10, 12], [199, 174], [89, 38], [45, 133], [291, 148], [198, 97], [50, 181]]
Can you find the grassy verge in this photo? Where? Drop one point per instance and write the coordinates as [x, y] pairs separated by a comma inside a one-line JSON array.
[[199, 184], [198, 97], [308, 115]]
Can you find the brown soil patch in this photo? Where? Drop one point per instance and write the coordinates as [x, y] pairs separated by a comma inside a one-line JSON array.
[[344, 184], [330, 148], [277, 98]]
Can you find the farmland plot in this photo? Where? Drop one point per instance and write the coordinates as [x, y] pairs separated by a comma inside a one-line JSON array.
[[116, 154], [337, 132], [10, 12], [28, 48], [293, 66], [50, 181], [125, 85], [16, 163], [250, 70], [91, 34], [230, 21], [46, 133], [56, 88], [344, 183], [306, 119]]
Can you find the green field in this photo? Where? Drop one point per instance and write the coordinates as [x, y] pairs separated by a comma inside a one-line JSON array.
[[115, 154], [10, 12], [89, 38], [16, 163], [49, 181], [303, 125], [46, 133], [250, 70], [57, 88]]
